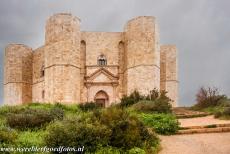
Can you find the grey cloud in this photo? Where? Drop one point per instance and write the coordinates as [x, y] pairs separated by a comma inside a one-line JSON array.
[[199, 28]]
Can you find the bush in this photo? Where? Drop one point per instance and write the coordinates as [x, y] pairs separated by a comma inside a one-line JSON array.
[[33, 118], [208, 97], [133, 98], [159, 97], [96, 131], [89, 106], [225, 114], [77, 134], [109, 150], [136, 151], [165, 124], [30, 138], [127, 131], [7, 136], [158, 106]]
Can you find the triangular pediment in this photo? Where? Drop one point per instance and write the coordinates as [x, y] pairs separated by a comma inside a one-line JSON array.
[[101, 78], [102, 75]]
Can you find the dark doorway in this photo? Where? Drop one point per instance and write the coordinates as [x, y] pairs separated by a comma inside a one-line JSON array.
[[101, 98], [100, 102]]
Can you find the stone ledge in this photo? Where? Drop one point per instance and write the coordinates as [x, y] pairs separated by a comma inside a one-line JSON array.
[[205, 130]]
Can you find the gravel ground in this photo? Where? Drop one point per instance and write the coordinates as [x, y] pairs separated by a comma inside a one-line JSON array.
[[212, 143], [200, 121]]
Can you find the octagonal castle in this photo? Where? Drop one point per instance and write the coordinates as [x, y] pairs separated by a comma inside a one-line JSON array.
[[75, 66]]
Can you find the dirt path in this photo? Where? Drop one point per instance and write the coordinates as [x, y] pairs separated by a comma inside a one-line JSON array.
[[212, 143], [200, 121]]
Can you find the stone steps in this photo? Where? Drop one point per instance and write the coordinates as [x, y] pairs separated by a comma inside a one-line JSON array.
[[184, 116], [183, 112], [215, 128]]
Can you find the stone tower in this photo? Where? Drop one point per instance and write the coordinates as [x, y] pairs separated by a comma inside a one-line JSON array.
[[62, 59], [17, 74], [169, 78], [142, 55]]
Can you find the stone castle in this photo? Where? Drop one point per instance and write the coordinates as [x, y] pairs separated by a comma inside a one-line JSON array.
[[75, 66]]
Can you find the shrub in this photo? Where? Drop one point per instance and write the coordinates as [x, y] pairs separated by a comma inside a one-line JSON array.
[[7, 136], [159, 97], [98, 130], [88, 106], [133, 98], [208, 97], [109, 150], [33, 118], [30, 138], [56, 113], [127, 131], [158, 106], [136, 151], [225, 114], [165, 124], [75, 134]]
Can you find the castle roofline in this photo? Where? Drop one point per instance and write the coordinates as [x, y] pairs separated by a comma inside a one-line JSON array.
[[138, 17], [17, 44], [101, 32], [64, 14]]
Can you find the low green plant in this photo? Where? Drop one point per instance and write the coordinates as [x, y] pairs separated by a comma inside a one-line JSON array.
[[224, 114], [211, 126], [89, 106], [33, 118], [157, 106], [165, 124], [133, 98], [136, 151], [75, 134], [111, 127], [30, 138], [127, 131], [7, 136], [109, 150]]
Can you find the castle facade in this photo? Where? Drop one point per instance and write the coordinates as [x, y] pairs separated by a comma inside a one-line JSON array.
[[75, 66]]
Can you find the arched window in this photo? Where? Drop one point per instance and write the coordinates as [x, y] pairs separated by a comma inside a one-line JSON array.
[[42, 71], [43, 94], [101, 61]]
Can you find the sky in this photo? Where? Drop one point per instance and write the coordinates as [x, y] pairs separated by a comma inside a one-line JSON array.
[[199, 28]]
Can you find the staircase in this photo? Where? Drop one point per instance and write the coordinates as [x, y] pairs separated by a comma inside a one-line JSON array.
[[213, 128]]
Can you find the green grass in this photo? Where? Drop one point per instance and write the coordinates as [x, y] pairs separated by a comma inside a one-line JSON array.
[[213, 109], [30, 138], [165, 124]]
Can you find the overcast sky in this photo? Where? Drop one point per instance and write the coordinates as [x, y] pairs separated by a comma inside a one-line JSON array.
[[199, 28]]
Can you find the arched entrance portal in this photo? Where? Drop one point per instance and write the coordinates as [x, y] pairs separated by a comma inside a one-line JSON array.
[[101, 98]]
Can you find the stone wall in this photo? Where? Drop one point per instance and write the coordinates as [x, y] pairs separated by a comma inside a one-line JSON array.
[[38, 78], [17, 74], [98, 43], [142, 55], [169, 78], [62, 59], [60, 27]]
